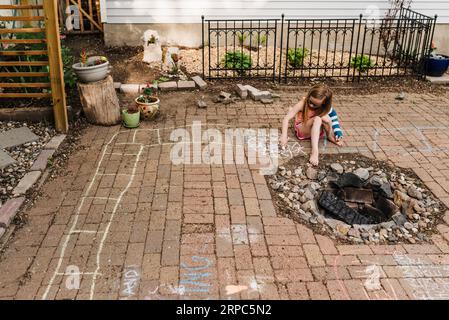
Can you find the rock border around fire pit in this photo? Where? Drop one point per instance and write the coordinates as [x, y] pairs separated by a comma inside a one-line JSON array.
[[355, 199]]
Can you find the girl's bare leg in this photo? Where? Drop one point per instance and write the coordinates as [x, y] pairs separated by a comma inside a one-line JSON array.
[[315, 138], [327, 125]]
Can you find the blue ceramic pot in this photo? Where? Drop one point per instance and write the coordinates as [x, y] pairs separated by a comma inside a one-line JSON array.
[[436, 66]]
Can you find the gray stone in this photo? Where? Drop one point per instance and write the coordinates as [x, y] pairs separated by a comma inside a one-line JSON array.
[[42, 160], [275, 95], [242, 91], [225, 95], [400, 96], [5, 159], [130, 88], [408, 226], [258, 95], [168, 86], [55, 142], [413, 192], [2, 232], [117, 85], [26, 182], [16, 137], [362, 173], [200, 82], [201, 104], [444, 79], [308, 194], [338, 168], [9, 210], [354, 233], [311, 173], [315, 186], [267, 101], [310, 206], [386, 190], [376, 181], [186, 85], [399, 219]]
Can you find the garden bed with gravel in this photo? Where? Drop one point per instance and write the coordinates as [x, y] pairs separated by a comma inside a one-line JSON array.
[[25, 155], [355, 199]]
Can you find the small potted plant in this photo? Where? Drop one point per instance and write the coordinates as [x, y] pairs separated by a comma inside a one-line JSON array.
[[148, 103], [91, 69], [131, 116], [435, 65]]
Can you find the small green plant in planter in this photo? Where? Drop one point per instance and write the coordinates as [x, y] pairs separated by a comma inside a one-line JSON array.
[[296, 57], [362, 63], [148, 103], [236, 60], [131, 116]]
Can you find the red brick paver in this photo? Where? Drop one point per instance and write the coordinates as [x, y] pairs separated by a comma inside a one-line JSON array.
[[134, 225]]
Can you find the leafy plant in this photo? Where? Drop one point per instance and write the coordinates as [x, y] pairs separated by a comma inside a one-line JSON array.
[[148, 94], [362, 63], [236, 60], [242, 37], [262, 39], [67, 61], [296, 56]]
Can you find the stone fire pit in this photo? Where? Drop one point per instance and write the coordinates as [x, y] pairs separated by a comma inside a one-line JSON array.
[[357, 200]]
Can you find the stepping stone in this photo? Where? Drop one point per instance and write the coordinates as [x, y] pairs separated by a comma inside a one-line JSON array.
[[9, 210], [5, 159], [439, 80], [55, 142], [16, 137], [26, 182], [199, 82], [186, 85]]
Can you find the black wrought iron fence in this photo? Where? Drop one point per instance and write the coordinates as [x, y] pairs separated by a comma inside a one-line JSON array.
[[350, 49], [240, 48]]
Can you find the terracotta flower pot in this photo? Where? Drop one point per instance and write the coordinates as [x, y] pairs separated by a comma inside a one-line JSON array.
[[148, 110]]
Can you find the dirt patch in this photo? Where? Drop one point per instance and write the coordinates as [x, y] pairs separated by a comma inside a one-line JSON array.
[[126, 62]]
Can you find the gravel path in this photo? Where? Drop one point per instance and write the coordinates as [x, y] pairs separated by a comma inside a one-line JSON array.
[[25, 155]]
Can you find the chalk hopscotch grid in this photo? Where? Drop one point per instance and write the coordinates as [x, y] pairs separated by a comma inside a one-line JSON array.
[[105, 233], [73, 229]]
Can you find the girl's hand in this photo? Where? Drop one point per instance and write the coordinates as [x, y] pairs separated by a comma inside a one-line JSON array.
[[283, 141]]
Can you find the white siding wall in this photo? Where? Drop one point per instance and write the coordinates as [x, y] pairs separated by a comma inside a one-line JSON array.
[[190, 11]]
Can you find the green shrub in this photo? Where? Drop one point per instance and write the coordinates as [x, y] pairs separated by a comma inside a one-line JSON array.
[[296, 56], [362, 63], [67, 61], [242, 37], [236, 60]]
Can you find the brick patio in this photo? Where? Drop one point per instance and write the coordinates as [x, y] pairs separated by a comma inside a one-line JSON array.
[[138, 227]]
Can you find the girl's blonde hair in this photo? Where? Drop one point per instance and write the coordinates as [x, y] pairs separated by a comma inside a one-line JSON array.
[[319, 91]]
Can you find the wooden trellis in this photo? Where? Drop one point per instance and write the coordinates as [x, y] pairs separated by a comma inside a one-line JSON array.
[[89, 15], [27, 73]]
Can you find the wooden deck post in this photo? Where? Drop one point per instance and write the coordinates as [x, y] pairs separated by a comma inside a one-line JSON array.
[[55, 65]]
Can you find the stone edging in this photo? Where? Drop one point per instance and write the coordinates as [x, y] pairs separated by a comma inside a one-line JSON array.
[[38, 172], [195, 83]]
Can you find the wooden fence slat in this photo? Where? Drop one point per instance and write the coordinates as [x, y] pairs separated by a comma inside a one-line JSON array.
[[25, 95], [22, 30], [23, 74], [87, 16], [24, 53], [25, 85], [23, 41], [20, 6], [21, 18], [23, 63]]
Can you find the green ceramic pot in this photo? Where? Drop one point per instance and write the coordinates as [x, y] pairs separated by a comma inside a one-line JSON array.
[[130, 120]]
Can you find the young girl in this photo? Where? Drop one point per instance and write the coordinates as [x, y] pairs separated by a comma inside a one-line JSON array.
[[314, 117]]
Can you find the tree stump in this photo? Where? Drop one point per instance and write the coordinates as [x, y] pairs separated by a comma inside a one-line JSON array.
[[100, 102]]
